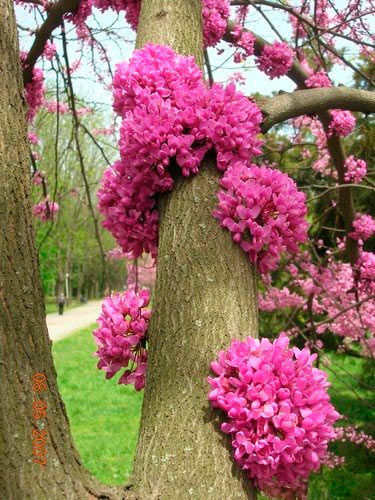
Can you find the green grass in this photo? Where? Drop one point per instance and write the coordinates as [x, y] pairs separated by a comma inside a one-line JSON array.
[[104, 418], [103, 415]]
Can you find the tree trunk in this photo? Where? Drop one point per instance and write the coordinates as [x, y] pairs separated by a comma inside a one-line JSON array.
[[205, 295], [25, 346]]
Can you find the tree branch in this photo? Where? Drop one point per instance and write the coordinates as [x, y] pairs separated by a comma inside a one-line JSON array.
[[54, 19], [313, 101]]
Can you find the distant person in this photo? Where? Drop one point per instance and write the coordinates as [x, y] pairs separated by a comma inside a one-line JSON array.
[[61, 302]]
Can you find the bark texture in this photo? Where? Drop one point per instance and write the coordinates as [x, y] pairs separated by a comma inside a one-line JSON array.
[[205, 295], [25, 346]]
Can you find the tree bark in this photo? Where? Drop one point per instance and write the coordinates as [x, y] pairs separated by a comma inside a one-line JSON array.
[[205, 295], [25, 346]]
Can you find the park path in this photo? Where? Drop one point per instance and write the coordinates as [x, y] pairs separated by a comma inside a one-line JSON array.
[[72, 319]]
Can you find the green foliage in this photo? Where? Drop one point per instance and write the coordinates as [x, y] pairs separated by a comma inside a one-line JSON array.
[[104, 416], [69, 245]]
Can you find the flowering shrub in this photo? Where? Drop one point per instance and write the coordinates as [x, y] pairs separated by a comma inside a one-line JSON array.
[[121, 336], [275, 60], [264, 211], [278, 411]]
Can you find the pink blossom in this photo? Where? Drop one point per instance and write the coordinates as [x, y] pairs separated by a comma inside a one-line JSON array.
[[168, 113], [115, 254], [49, 50], [121, 336], [356, 169], [275, 299], [237, 77], [278, 411], [366, 265], [215, 17], [33, 138], [354, 435], [264, 211], [56, 107], [34, 90], [318, 79], [244, 40], [45, 210], [364, 227], [83, 111], [342, 123], [275, 60], [37, 178]]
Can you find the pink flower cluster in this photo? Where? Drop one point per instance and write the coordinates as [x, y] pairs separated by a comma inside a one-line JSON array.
[[121, 336], [342, 123], [336, 288], [115, 254], [33, 138], [45, 210], [49, 50], [354, 435], [318, 80], [215, 15], [34, 90], [275, 60], [56, 107], [244, 40], [275, 299], [38, 178], [366, 265], [168, 112], [364, 227], [264, 211], [355, 169], [279, 413]]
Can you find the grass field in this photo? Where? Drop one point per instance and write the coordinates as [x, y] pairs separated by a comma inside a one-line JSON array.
[[105, 418]]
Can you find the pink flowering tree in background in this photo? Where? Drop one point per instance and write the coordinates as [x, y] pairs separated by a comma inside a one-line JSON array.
[[222, 201]]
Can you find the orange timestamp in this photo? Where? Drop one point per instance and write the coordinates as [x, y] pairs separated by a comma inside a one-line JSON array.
[[39, 412]]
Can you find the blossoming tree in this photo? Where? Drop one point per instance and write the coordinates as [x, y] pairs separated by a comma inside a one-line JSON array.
[[191, 188]]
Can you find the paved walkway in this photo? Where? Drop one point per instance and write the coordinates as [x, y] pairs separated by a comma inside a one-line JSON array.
[[72, 319]]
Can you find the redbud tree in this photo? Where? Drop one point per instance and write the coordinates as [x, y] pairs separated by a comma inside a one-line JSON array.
[[197, 185]]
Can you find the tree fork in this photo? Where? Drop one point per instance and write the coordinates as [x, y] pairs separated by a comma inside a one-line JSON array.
[[205, 295]]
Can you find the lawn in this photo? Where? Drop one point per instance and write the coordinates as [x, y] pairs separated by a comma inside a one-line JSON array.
[[105, 418], [103, 415]]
